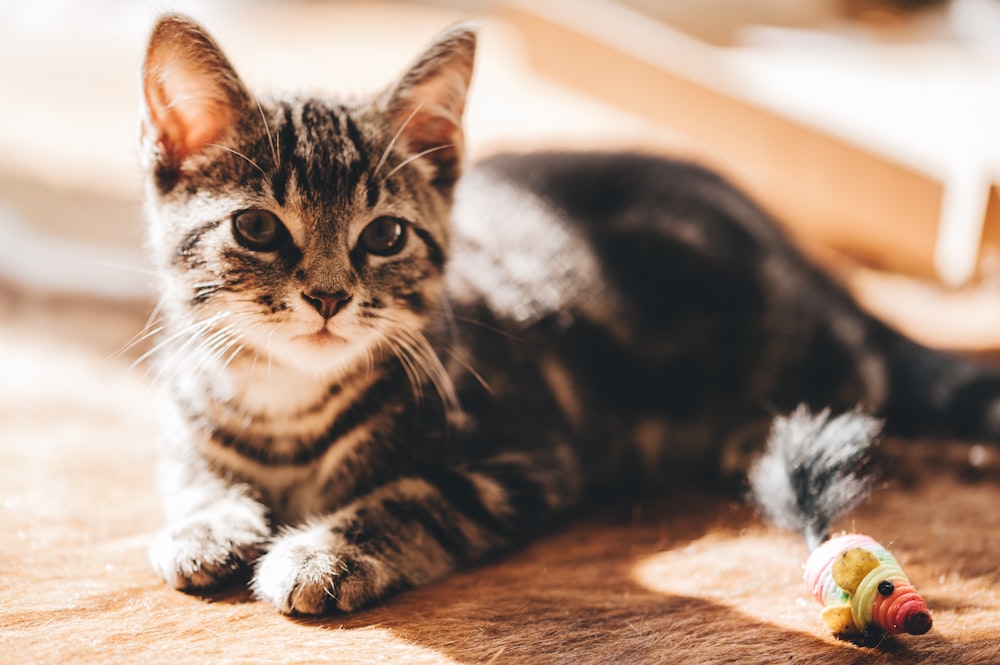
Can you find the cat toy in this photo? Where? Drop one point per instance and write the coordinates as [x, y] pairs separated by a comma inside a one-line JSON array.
[[815, 469]]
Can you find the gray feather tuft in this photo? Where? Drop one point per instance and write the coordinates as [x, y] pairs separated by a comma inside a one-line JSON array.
[[815, 469]]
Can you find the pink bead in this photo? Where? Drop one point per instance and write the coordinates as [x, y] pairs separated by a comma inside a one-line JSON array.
[[902, 612]]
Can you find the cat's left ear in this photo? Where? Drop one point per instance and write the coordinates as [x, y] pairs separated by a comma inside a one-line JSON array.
[[425, 107]]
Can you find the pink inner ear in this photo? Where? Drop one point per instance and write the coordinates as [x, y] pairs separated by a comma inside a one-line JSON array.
[[435, 140], [427, 132], [189, 105]]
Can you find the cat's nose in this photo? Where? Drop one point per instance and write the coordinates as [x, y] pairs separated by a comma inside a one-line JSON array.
[[326, 303]]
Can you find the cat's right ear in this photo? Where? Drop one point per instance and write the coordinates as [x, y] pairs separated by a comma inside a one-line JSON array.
[[192, 94], [425, 107]]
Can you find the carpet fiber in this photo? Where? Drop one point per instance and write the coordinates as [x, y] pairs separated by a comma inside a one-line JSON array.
[[686, 578]]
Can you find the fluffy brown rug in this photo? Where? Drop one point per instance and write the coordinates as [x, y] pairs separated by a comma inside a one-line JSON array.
[[689, 578]]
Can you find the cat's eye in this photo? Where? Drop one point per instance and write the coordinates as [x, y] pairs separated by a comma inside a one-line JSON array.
[[384, 237], [259, 230]]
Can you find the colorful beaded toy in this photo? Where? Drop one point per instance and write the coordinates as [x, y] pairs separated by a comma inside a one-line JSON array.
[[814, 470], [862, 588]]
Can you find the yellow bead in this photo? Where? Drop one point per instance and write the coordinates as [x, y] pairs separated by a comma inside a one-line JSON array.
[[839, 620], [851, 566]]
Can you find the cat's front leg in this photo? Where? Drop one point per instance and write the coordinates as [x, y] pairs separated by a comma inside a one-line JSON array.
[[215, 529], [409, 533], [404, 534]]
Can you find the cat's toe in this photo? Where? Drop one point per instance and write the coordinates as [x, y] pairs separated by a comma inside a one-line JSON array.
[[201, 553], [298, 577]]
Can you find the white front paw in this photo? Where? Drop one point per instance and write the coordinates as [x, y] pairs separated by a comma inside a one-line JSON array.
[[299, 574], [207, 548]]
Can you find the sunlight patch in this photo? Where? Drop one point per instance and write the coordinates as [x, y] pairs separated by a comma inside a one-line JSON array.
[[757, 575]]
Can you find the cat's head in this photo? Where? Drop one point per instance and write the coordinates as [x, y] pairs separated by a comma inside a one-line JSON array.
[[310, 231]]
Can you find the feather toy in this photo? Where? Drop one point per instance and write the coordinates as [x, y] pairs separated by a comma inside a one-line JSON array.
[[814, 470]]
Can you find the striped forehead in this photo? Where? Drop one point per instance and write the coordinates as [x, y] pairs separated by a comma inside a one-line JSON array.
[[323, 154]]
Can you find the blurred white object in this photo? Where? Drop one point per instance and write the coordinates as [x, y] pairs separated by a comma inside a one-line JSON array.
[[932, 104], [53, 263]]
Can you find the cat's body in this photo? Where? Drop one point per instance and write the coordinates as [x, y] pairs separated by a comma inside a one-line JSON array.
[[368, 387]]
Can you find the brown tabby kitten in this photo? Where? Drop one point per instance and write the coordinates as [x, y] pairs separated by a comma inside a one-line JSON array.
[[376, 371]]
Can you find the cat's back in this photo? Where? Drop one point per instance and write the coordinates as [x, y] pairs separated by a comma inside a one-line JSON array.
[[622, 190], [540, 233]]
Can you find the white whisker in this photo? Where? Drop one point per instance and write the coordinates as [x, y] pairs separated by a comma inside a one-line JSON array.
[[189, 330], [471, 370], [239, 154], [239, 348], [237, 345], [414, 351], [413, 158], [267, 130], [435, 371], [410, 366], [449, 315], [118, 266], [204, 344], [147, 331], [269, 354], [385, 153], [194, 341], [211, 352], [207, 350]]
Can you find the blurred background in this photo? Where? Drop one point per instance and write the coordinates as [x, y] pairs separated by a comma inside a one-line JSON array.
[[869, 127]]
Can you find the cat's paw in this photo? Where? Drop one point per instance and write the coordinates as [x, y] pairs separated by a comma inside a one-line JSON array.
[[309, 572], [207, 548]]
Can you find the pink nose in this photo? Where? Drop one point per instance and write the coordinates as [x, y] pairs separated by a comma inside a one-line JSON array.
[[327, 304]]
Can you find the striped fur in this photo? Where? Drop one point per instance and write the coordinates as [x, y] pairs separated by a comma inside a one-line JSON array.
[[388, 371]]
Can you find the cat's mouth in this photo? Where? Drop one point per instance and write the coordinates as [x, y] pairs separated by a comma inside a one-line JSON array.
[[322, 337]]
